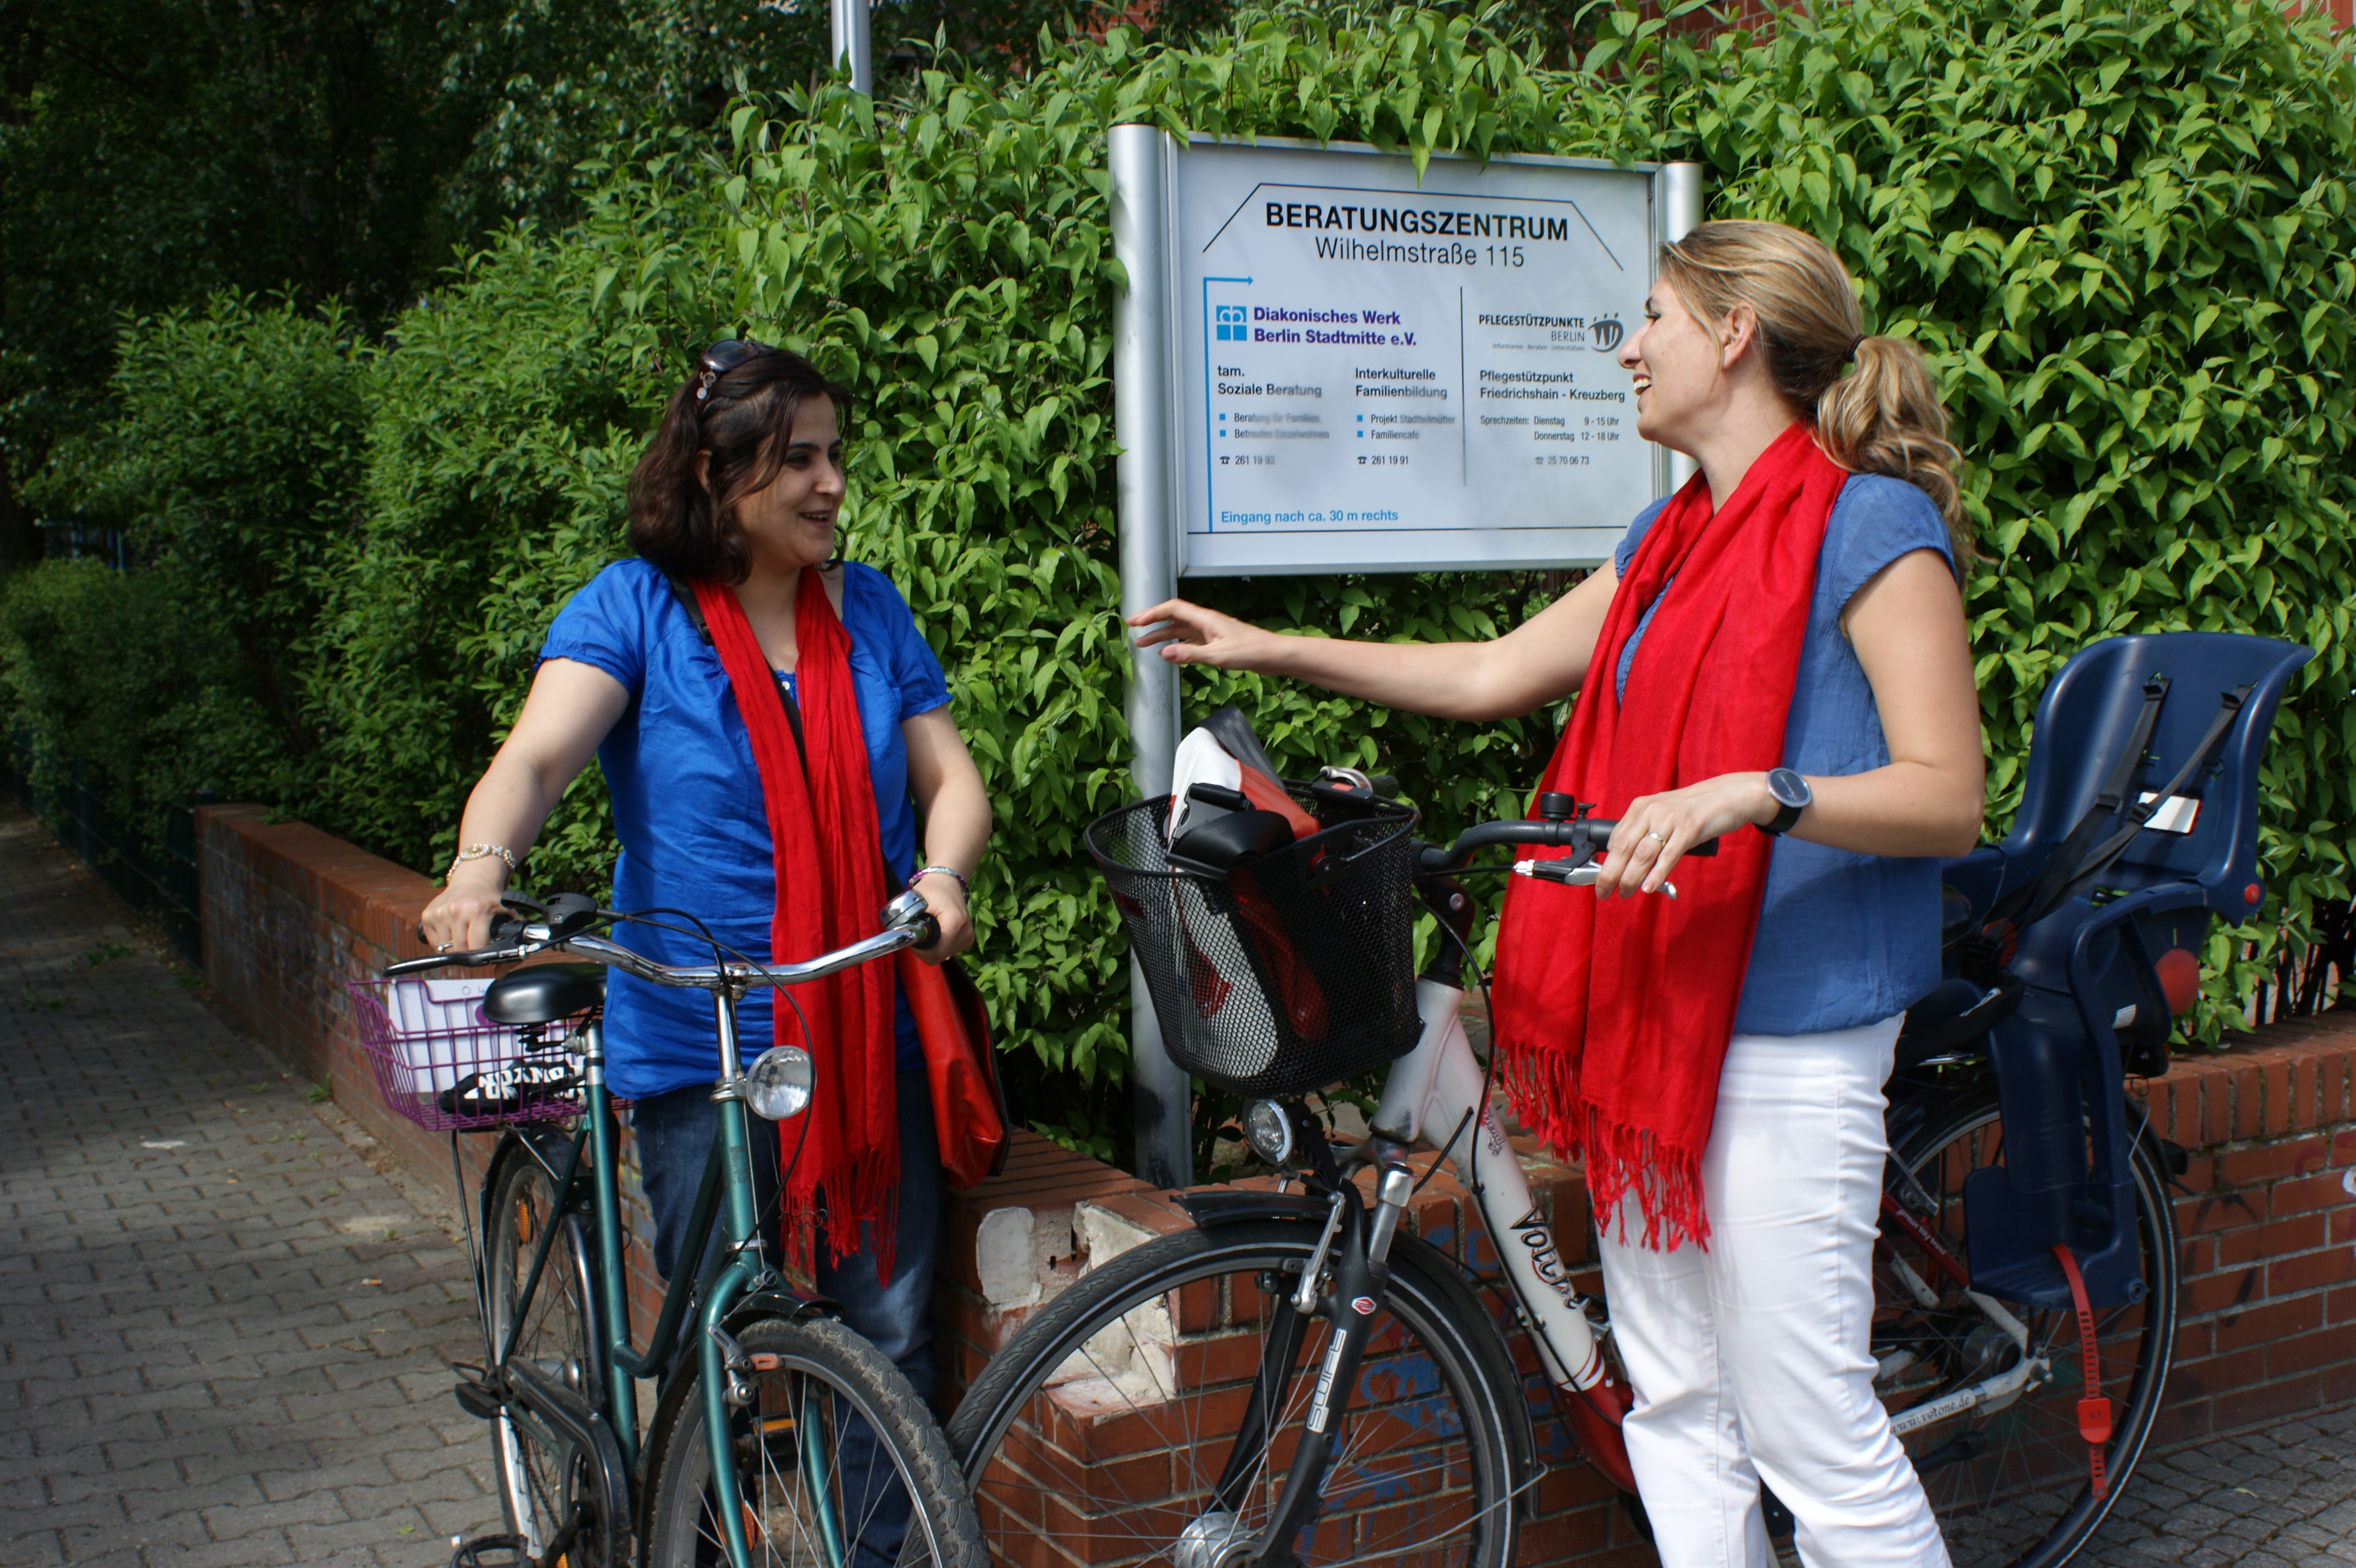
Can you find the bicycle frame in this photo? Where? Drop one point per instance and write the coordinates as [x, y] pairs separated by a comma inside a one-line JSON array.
[[724, 1198], [1435, 1092]]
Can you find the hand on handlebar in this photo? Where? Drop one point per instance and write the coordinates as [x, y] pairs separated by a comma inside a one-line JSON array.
[[460, 916], [1656, 831], [946, 901]]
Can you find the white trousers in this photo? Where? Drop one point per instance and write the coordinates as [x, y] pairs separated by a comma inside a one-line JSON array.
[[1750, 1360]]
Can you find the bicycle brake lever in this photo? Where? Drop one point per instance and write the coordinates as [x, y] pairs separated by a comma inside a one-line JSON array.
[[1569, 876]]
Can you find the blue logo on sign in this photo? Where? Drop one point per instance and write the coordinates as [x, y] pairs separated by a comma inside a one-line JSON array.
[[1229, 320]]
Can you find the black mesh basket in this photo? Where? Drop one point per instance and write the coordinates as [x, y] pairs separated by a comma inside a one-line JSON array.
[[1294, 971]]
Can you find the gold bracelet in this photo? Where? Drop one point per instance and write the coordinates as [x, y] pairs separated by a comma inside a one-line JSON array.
[[481, 852]]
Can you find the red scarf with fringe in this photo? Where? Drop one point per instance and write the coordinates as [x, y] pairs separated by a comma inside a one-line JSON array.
[[1612, 1018], [821, 810]]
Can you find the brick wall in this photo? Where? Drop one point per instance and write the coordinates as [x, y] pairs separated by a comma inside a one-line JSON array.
[[291, 915], [2267, 1213]]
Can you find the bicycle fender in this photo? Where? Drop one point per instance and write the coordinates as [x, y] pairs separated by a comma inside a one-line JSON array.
[[777, 1301], [1210, 1210]]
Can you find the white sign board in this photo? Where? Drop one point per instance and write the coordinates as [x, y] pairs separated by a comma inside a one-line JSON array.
[[1373, 374]]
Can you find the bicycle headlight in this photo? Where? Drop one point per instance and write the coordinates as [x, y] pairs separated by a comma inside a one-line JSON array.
[[1268, 1130], [778, 1087]]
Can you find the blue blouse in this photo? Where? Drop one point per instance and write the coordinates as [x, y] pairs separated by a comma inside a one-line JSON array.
[[1843, 939], [687, 799]]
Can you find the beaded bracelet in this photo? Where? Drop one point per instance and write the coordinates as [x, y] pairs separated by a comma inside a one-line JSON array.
[[948, 871], [481, 852]]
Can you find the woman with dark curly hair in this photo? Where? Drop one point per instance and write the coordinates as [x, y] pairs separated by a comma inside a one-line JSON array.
[[781, 825]]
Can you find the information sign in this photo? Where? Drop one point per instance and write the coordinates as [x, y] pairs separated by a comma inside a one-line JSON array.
[[1377, 374]]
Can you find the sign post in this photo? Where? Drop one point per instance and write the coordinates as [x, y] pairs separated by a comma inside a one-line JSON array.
[[1323, 362]]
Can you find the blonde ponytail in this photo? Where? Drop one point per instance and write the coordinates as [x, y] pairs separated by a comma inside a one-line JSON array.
[[1885, 417]]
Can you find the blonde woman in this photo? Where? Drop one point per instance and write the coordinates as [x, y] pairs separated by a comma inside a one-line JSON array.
[[1782, 664]]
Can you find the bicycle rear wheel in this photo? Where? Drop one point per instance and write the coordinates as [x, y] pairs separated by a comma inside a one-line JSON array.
[[2011, 1486], [1100, 1434], [540, 1479], [830, 1454]]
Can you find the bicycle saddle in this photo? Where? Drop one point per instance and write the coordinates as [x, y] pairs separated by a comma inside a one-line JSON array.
[[544, 993]]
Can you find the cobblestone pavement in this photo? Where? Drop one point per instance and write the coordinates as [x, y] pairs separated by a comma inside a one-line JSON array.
[[219, 1324], [2284, 1498]]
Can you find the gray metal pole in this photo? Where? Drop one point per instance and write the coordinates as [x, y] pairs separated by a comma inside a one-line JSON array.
[[849, 19], [1681, 211], [1140, 402]]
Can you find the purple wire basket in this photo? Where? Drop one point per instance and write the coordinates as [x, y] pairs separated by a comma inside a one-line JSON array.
[[442, 1064]]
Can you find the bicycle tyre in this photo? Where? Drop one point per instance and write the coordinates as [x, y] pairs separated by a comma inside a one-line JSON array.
[[822, 1357], [2010, 1487], [539, 1481], [1425, 1473]]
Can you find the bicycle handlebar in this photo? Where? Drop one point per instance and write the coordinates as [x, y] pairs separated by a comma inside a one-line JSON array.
[[907, 923], [1587, 835]]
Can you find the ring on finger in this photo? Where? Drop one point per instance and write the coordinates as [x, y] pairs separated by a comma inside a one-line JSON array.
[[1661, 836], [443, 948]]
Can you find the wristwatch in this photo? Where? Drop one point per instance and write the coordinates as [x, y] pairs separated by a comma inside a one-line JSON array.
[[1792, 795]]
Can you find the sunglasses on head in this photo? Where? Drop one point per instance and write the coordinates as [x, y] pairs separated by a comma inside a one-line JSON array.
[[722, 358]]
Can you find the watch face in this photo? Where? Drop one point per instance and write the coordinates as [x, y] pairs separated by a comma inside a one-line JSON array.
[[1788, 788]]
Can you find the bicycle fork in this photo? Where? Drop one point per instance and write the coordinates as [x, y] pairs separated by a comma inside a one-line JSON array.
[[1356, 1252]]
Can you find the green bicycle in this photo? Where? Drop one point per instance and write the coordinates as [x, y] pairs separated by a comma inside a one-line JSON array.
[[832, 1460]]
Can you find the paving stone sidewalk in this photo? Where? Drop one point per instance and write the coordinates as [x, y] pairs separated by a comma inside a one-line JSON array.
[[217, 1325]]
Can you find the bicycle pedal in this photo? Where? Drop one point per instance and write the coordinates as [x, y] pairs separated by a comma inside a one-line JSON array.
[[492, 1551], [477, 1401]]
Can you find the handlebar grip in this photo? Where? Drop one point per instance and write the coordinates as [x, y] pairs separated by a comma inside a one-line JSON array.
[[931, 937]]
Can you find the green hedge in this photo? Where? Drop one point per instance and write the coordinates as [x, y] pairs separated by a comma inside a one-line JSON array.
[[2120, 231]]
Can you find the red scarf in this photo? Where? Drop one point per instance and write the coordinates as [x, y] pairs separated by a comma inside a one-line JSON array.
[[821, 811], [1612, 1017]]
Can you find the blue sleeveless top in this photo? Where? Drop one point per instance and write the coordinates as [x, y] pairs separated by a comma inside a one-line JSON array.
[[1843, 939]]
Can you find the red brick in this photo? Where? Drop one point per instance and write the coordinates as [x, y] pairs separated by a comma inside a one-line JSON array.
[[2303, 1077], [2310, 1271], [2268, 1401], [2264, 1323], [2310, 1352], [2340, 1384], [2276, 1079], [2332, 1078], [2206, 1216], [2222, 1291], [2300, 1195], [2343, 1142], [2248, 1119], [2275, 1239], [2273, 1162]]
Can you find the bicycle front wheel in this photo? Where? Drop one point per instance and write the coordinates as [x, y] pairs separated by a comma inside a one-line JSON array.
[[539, 1478], [1101, 1434], [830, 1454], [2010, 1483]]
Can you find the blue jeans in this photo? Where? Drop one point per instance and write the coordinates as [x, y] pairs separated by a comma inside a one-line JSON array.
[[676, 1131]]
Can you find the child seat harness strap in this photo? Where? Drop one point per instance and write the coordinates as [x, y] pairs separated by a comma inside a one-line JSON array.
[[2080, 858]]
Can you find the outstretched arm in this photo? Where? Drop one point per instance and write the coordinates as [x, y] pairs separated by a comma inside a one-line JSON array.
[[1540, 661], [570, 708]]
